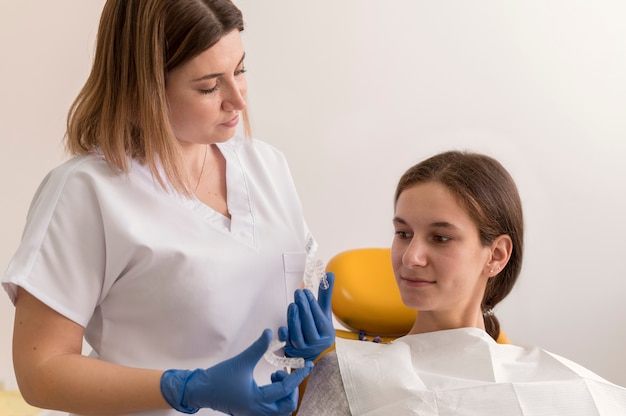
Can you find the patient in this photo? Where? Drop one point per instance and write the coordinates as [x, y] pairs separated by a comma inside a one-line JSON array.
[[456, 253]]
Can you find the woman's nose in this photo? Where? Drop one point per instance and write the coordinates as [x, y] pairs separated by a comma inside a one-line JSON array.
[[415, 254], [234, 99]]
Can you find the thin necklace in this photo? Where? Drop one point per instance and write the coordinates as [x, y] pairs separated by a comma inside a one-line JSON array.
[[206, 148]]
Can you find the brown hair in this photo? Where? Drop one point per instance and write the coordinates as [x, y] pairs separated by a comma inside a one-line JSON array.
[[122, 109], [489, 195]]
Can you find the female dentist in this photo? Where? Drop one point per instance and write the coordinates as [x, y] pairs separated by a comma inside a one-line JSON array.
[[166, 241]]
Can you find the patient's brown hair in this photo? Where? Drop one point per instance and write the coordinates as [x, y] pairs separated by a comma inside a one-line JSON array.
[[488, 193]]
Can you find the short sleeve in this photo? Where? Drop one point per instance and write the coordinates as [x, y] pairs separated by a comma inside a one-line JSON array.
[[61, 257]]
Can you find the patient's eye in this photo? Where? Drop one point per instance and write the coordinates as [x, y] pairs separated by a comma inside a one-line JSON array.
[[441, 238], [403, 235]]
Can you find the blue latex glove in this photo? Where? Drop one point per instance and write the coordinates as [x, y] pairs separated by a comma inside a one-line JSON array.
[[310, 326], [230, 387]]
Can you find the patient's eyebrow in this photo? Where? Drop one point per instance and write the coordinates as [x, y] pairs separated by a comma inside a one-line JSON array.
[[398, 220], [443, 224], [436, 224]]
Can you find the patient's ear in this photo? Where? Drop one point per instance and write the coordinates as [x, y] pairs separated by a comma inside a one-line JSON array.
[[501, 249]]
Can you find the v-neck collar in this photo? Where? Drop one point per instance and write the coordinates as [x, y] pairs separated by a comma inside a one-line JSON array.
[[240, 225]]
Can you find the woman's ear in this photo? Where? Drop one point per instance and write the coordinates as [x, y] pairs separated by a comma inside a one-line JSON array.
[[501, 249]]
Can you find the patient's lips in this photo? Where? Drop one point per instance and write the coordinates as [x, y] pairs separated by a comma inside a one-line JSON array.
[[416, 281]]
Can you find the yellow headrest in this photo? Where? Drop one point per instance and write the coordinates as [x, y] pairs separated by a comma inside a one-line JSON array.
[[366, 297]]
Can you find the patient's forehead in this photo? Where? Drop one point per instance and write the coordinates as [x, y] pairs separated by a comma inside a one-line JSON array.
[[432, 203]]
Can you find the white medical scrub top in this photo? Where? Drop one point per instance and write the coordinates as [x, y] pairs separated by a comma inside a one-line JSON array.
[[159, 280]]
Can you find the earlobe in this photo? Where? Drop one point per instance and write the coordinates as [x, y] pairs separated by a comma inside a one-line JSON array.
[[501, 250]]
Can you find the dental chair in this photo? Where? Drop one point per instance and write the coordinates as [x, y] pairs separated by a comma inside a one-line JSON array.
[[366, 300]]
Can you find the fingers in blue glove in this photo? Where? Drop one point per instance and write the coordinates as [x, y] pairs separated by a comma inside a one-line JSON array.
[[310, 328], [230, 386], [279, 376], [300, 320], [284, 383], [290, 383], [314, 319]]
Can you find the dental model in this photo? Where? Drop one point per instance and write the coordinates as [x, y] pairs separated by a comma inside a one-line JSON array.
[[315, 276], [281, 361]]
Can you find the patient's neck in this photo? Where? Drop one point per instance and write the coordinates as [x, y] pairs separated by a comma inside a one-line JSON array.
[[431, 321]]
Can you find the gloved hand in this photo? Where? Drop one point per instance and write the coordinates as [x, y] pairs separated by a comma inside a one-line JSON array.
[[310, 327], [230, 387]]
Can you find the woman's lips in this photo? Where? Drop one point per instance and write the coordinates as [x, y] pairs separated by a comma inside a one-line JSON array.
[[232, 122], [416, 282]]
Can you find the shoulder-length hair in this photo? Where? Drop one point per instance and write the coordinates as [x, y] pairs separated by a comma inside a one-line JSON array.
[[122, 109]]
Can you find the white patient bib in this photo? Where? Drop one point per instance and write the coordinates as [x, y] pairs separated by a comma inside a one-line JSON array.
[[465, 372]]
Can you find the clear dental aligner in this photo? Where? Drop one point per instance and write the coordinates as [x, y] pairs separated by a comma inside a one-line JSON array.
[[314, 279], [278, 361], [315, 276]]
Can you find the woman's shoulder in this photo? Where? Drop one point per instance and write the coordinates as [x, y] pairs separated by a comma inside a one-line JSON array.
[[90, 165], [58, 177], [92, 168], [81, 176], [257, 156], [252, 145]]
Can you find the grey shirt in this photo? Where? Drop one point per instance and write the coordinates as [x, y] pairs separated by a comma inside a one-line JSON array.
[[324, 394]]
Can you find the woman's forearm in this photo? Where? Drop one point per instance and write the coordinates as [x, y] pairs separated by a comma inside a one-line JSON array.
[[87, 386], [53, 374]]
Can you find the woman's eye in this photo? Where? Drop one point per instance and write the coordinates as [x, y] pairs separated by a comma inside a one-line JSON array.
[[209, 91], [403, 235], [441, 238], [240, 71]]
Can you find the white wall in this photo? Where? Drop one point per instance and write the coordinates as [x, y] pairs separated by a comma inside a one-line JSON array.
[[46, 49], [355, 91]]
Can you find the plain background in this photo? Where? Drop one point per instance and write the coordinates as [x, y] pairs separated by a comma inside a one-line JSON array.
[[356, 91]]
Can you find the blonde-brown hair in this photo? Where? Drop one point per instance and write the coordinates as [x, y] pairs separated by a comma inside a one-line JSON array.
[[122, 108]]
